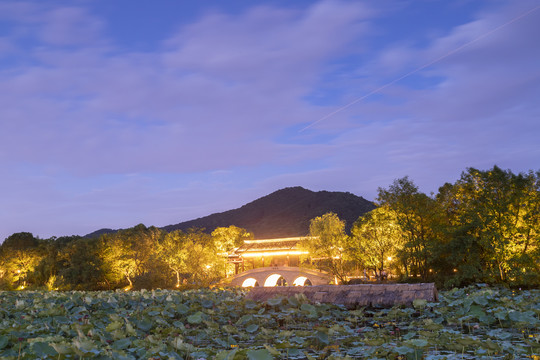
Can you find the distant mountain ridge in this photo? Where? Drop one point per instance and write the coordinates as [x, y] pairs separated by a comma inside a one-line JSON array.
[[284, 213]]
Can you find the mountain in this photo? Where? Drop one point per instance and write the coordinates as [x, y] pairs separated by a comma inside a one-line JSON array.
[[284, 213], [100, 232]]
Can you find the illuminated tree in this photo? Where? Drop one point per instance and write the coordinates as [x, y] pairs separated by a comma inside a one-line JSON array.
[[326, 242], [226, 239], [129, 253], [375, 238], [173, 251], [203, 262], [417, 216], [21, 253], [497, 213]]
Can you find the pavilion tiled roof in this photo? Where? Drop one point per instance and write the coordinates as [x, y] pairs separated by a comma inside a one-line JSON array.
[[269, 245]]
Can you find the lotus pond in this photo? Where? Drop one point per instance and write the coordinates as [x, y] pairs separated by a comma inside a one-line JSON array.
[[471, 323]]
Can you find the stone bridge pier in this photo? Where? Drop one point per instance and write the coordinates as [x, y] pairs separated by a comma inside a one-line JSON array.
[[281, 276]]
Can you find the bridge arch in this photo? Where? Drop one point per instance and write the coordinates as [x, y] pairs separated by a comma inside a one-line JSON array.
[[250, 282], [281, 275]]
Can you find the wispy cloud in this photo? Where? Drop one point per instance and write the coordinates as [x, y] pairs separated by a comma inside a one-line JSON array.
[[94, 131]]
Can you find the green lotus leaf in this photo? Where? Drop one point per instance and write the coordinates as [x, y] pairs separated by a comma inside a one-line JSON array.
[[3, 342], [274, 301], [481, 300], [195, 318], [43, 350], [525, 317], [403, 350], [244, 319], [501, 315], [499, 334], [182, 309], [294, 352], [226, 355], [322, 337], [419, 303], [252, 328], [487, 319], [418, 343], [114, 326], [250, 304], [207, 304], [62, 348], [476, 311], [121, 344], [272, 350], [261, 354], [144, 325]]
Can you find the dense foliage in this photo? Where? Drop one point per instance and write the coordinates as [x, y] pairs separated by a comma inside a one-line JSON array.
[[470, 323], [483, 228], [137, 257]]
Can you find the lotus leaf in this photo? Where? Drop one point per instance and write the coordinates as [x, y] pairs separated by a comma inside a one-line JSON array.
[[274, 301], [3, 342], [262, 354], [252, 328]]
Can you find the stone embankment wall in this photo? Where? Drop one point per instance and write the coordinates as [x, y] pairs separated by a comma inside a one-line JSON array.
[[353, 295]]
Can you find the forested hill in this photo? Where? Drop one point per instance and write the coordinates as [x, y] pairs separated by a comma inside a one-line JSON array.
[[284, 213]]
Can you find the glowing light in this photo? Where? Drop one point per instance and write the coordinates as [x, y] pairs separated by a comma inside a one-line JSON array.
[[389, 258], [274, 253], [251, 282], [264, 241], [273, 280], [300, 281], [208, 266]]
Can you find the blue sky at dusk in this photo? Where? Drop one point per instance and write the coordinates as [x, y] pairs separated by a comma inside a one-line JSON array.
[[114, 113]]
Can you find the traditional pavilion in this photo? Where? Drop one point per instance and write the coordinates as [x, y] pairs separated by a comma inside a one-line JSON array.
[[267, 252]]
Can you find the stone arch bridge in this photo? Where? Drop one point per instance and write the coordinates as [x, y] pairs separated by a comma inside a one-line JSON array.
[[281, 276]]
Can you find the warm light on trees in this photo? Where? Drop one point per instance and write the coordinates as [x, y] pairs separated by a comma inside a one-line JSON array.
[[375, 239], [174, 253], [416, 216], [326, 242], [129, 253], [228, 238], [497, 213], [20, 253]]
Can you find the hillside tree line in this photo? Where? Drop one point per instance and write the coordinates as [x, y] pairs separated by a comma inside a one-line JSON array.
[[484, 228]]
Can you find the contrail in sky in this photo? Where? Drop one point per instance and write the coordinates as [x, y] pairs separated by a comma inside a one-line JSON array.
[[421, 67]]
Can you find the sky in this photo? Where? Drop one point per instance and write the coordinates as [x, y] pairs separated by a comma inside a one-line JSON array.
[[115, 113]]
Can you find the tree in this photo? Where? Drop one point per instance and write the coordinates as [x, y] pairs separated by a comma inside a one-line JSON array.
[[417, 216], [497, 213], [129, 253], [21, 253], [83, 269], [174, 253], [375, 238], [227, 239], [203, 262], [326, 242]]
